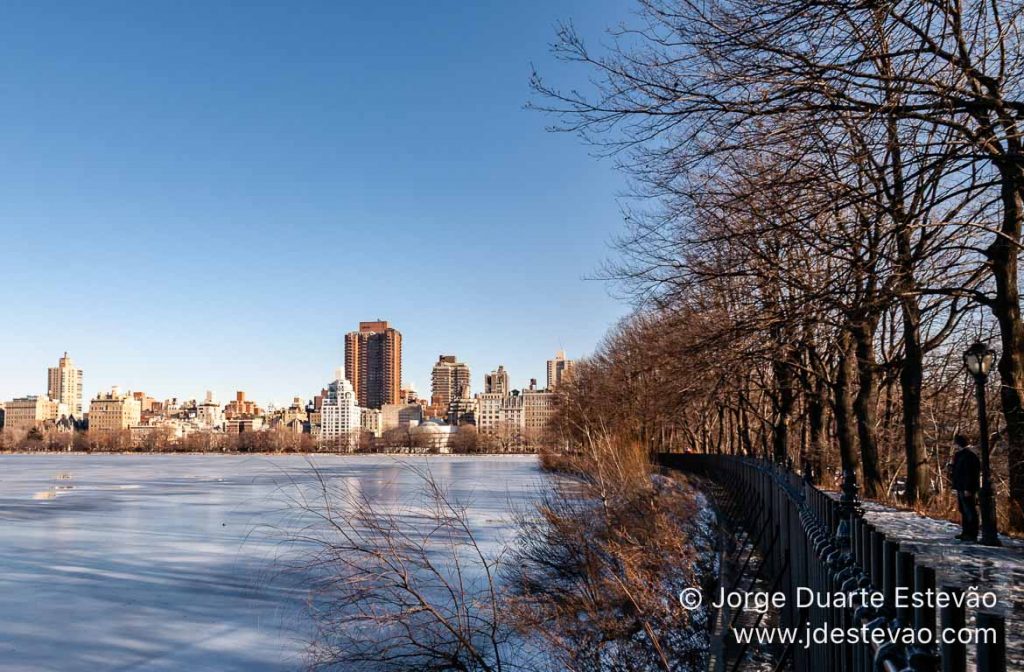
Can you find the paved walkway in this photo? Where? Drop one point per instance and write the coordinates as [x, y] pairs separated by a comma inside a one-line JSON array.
[[999, 569]]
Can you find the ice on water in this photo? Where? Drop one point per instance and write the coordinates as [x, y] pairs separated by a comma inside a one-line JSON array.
[[157, 562]]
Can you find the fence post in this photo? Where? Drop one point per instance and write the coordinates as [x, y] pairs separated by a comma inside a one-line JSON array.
[[991, 654], [877, 540], [856, 539], [905, 580], [924, 615], [866, 531], [890, 549], [954, 655]]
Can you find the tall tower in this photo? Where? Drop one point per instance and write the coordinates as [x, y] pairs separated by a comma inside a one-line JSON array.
[[339, 414], [496, 382], [64, 384], [449, 380], [373, 363], [558, 370]]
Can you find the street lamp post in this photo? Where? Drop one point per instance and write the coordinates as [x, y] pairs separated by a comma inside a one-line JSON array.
[[979, 359], [848, 508]]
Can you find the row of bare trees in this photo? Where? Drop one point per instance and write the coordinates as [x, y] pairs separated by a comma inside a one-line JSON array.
[[830, 207]]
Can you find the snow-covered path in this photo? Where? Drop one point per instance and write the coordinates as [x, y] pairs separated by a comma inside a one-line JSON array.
[[998, 569]]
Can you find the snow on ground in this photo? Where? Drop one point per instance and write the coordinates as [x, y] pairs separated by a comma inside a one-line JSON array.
[[998, 569], [162, 562]]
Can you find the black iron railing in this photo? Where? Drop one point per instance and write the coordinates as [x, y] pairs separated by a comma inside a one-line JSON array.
[[811, 540]]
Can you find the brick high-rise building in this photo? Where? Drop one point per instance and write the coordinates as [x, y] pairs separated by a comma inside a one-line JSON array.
[[373, 363], [64, 385], [559, 369], [449, 380], [496, 382], [242, 408]]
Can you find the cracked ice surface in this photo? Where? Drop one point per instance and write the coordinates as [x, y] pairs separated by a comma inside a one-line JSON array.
[[150, 562]]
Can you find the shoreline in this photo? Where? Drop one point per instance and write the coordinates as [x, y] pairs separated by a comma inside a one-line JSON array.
[[80, 453]]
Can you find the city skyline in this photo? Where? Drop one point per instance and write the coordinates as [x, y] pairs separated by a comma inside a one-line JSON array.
[[101, 388], [205, 193], [362, 407]]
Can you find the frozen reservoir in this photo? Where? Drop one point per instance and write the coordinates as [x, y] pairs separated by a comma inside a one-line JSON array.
[[169, 562]]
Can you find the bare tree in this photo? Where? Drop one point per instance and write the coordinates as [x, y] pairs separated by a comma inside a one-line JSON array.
[[409, 587], [890, 133]]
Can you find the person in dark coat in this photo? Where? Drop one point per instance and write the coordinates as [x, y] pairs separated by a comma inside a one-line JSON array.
[[965, 473]]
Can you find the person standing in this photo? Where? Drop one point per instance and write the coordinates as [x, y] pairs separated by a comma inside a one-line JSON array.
[[965, 474]]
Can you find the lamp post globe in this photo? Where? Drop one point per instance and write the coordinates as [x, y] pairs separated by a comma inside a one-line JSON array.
[[978, 359]]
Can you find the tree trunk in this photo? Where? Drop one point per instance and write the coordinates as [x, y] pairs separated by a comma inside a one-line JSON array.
[[911, 380], [846, 428], [816, 404], [1002, 255], [746, 443], [787, 400], [912, 375], [721, 430], [865, 402], [815, 393]]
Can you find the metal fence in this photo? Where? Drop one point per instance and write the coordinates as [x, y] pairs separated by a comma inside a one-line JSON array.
[[807, 538]]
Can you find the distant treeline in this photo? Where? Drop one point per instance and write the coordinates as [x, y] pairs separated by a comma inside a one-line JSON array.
[[465, 441]]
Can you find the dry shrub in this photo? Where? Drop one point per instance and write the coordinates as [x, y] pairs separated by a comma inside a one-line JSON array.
[[404, 587], [590, 584], [606, 464], [555, 462], [597, 570]]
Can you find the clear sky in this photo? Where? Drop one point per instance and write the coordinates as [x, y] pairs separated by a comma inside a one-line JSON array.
[[208, 195]]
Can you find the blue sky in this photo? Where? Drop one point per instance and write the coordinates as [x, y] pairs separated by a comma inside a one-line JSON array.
[[208, 195]]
